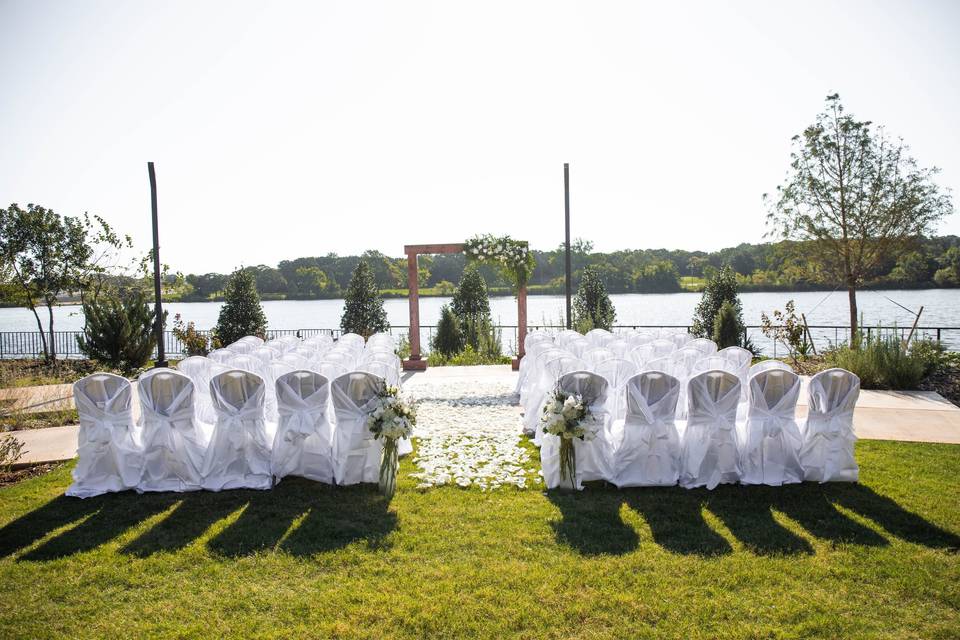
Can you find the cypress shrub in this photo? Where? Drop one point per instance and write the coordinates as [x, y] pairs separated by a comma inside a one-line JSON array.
[[448, 340], [721, 288], [727, 331], [592, 308], [119, 330], [241, 314], [363, 311]]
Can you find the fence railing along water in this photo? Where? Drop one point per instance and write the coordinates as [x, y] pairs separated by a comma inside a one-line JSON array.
[[28, 344]]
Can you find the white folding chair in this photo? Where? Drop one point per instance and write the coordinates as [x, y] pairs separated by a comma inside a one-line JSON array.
[[239, 452], [828, 436], [356, 453], [303, 444], [709, 453], [595, 356], [599, 337], [108, 444], [173, 443], [647, 450], [680, 340], [769, 365], [592, 456], [772, 441], [703, 345], [616, 371]]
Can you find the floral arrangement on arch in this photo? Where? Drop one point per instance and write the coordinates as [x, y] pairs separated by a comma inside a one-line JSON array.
[[390, 419], [513, 257]]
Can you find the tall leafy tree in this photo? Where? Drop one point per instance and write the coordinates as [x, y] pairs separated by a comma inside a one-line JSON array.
[[363, 311], [241, 314], [857, 195], [48, 255], [471, 306], [592, 308], [720, 289]]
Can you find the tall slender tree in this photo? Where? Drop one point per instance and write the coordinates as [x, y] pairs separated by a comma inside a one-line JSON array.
[[241, 314], [857, 194], [363, 311], [592, 307]]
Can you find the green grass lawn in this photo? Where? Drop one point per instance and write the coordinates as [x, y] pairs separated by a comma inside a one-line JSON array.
[[875, 559]]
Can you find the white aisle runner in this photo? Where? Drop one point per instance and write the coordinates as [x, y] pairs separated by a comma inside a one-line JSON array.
[[468, 426]]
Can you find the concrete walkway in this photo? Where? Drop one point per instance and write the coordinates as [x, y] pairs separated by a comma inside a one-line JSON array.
[[912, 416]]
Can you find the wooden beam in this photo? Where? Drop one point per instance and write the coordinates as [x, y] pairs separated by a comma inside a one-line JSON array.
[[434, 248]]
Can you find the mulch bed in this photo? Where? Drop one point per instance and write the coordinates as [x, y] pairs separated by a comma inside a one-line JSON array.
[[8, 478], [945, 381]]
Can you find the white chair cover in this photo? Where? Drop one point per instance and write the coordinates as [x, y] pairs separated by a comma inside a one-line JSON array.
[[579, 346], [356, 453], [289, 342], [709, 452], [332, 370], [741, 359], [592, 456], [264, 354], [680, 340], [279, 345], [620, 347], [828, 436], [535, 370], [324, 341], [682, 363], [616, 372], [256, 341], [648, 446], [715, 363], [108, 443], [772, 441], [386, 357], [641, 338], [657, 364], [552, 371], [342, 358], [295, 360], [535, 337], [390, 374], [303, 445], [703, 345], [595, 356], [221, 355], [241, 347], [642, 354], [662, 347], [352, 341], [384, 339], [246, 363], [173, 443], [599, 337], [565, 336], [239, 451], [769, 365], [200, 370]]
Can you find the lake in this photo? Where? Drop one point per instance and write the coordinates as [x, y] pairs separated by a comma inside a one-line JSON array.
[[941, 308]]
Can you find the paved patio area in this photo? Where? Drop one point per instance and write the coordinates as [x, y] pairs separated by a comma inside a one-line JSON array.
[[913, 416]]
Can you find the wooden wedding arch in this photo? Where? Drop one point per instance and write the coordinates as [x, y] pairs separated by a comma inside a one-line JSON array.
[[416, 362]]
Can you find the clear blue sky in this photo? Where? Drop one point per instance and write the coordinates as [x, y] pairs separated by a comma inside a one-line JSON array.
[[283, 129]]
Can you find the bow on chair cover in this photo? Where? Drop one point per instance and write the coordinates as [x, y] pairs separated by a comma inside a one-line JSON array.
[[356, 453], [828, 439], [109, 448], [709, 453], [239, 451], [303, 445], [772, 442], [173, 446], [648, 453], [592, 456]]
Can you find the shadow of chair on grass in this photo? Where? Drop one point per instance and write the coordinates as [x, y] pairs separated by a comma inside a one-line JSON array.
[[590, 521]]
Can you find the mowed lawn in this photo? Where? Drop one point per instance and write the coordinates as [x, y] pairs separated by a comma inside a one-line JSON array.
[[875, 559]]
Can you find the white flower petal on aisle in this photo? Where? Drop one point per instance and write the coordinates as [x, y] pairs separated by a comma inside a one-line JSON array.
[[469, 434]]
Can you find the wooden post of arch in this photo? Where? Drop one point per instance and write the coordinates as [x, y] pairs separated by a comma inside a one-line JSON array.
[[416, 362]]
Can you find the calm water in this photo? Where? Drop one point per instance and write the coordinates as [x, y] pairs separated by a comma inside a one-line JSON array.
[[941, 308]]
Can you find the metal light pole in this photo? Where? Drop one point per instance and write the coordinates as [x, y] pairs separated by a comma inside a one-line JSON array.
[[158, 303], [566, 202]]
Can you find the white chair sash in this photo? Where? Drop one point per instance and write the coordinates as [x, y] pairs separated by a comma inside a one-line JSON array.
[[303, 445], [772, 439], [648, 449], [239, 451], [174, 446], [710, 448], [356, 452]]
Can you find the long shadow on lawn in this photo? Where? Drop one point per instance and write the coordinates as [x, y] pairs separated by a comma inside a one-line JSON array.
[[591, 522], [747, 513], [675, 518]]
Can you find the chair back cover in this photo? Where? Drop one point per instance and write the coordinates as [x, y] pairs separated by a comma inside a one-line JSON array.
[[290, 341], [642, 337], [710, 449], [680, 340], [173, 444], [828, 436], [768, 365], [324, 341], [303, 444], [241, 347], [642, 354], [682, 363], [565, 337], [239, 452], [390, 374], [295, 360], [383, 339], [535, 337], [657, 364], [772, 439], [620, 347], [595, 356], [351, 341], [278, 345], [256, 341], [108, 443], [740, 357], [715, 363], [332, 370], [221, 355], [579, 346], [342, 358], [386, 357], [662, 347], [599, 337], [616, 372], [704, 345], [649, 450], [356, 453], [592, 456], [264, 354]]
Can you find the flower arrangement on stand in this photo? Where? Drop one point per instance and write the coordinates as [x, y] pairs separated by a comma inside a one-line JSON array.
[[567, 416], [390, 420], [513, 257]]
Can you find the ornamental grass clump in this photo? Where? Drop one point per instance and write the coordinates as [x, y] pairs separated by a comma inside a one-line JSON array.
[[885, 363]]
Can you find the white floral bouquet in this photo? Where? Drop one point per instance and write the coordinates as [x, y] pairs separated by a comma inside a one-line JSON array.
[[390, 420], [568, 416], [512, 256]]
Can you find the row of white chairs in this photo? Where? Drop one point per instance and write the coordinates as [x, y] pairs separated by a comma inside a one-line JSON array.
[[282, 355], [168, 449], [650, 447]]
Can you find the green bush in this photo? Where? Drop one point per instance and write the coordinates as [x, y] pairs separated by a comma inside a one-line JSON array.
[[727, 332], [363, 311], [468, 357], [241, 314], [118, 330], [592, 308], [194, 343], [884, 363], [449, 339], [483, 338], [721, 287]]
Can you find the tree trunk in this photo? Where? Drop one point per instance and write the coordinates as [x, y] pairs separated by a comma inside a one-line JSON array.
[[43, 334], [854, 328], [53, 346]]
